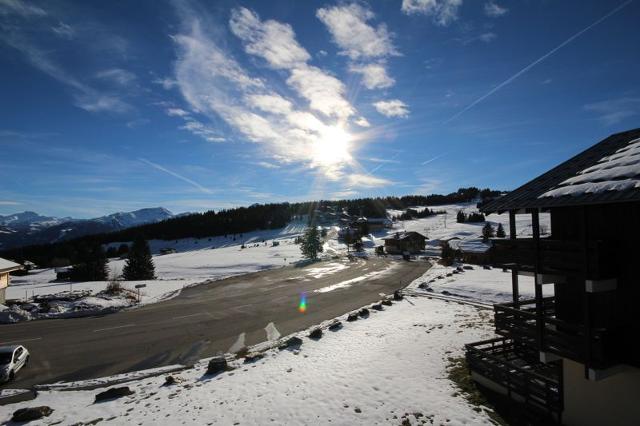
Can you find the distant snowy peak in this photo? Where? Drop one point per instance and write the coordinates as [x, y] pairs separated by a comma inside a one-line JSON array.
[[26, 228], [138, 217]]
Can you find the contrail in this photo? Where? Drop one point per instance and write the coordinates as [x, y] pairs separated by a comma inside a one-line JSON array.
[[534, 63], [432, 159], [174, 174]]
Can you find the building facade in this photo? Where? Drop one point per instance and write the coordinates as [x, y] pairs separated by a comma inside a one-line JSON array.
[[572, 352], [405, 242], [6, 267]]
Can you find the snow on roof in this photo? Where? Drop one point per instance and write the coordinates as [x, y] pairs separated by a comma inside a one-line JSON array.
[[617, 172], [8, 266], [403, 235], [471, 246], [607, 172]]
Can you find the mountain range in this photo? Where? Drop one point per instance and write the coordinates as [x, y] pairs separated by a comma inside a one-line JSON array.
[[28, 228]]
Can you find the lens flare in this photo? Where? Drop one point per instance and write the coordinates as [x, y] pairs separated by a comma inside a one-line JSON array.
[[302, 306]]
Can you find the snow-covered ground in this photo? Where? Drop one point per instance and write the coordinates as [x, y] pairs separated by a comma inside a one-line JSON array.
[[477, 284], [381, 370], [200, 259], [196, 260]]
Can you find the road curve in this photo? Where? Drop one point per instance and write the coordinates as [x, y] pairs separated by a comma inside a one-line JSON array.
[[203, 320]]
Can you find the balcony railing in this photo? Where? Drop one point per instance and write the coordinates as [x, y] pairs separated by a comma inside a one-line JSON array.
[[556, 256], [506, 363], [558, 337]]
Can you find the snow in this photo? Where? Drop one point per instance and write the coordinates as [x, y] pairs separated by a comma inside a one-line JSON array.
[[617, 172], [477, 284], [378, 370], [196, 261], [6, 265]]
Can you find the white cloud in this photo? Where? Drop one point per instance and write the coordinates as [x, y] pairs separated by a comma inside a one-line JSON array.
[[374, 76], [20, 7], [392, 108], [272, 103], [443, 11], [366, 181], [267, 165], [324, 92], [494, 10], [362, 122], [614, 111], [117, 75], [176, 112], [205, 132], [351, 32], [271, 40], [63, 30]]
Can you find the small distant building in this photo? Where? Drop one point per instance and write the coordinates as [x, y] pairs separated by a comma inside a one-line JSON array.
[[168, 250], [475, 250], [6, 267], [405, 242], [63, 273]]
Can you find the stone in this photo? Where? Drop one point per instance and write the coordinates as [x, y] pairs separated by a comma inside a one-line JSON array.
[[31, 413], [253, 357], [316, 333], [113, 393], [335, 326], [364, 312], [397, 295], [387, 302], [353, 316], [170, 380], [292, 342], [377, 307], [217, 365]]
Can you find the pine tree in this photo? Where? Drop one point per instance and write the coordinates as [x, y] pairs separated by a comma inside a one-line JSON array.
[[139, 264], [487, 231], [461, 217], [500, 232], [92, 264], [311, 244]]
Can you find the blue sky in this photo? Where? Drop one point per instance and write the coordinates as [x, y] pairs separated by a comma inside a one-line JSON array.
[[110, 106]]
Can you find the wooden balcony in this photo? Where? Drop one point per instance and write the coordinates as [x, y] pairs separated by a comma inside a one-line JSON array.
[[556, 256], [507, 367], [558, 337]]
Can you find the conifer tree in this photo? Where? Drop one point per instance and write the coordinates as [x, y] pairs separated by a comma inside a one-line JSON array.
[[500, 232], [487, 231], [92, 265], [461, 217], [311, 244], [139, 264]]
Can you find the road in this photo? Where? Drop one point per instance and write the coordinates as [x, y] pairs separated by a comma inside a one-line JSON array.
[[202, 321]]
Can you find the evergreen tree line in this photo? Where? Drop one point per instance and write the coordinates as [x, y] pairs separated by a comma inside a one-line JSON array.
[[411, 214], [231, 221], [473, 217]]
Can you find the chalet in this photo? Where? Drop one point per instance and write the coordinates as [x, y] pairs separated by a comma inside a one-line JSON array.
[[473, 250], [572, 352], [404, 242], [6, 267]]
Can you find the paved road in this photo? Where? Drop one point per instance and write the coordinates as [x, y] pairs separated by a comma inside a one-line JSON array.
[[201, 321]]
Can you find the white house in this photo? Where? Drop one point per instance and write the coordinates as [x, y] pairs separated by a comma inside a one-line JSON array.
[[6, 266]]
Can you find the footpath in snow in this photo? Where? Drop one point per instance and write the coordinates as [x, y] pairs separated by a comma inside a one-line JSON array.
[[385, 369]]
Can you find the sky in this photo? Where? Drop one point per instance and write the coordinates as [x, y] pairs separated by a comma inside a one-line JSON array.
[[120, 105]]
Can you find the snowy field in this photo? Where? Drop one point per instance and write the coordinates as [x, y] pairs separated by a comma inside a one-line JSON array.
[[477, 284], [380, 370], [196, 260]]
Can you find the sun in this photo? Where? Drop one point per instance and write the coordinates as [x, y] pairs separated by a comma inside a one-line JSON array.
[[332, 147]]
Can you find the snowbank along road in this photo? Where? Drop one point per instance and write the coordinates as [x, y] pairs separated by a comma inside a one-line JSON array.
[[204, 320]]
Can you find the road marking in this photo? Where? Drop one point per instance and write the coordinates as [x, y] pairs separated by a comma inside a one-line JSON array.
[[113, 328], [191, 315], [21, 341]]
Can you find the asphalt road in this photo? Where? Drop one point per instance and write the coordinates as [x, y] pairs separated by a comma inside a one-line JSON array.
[[201, 321]]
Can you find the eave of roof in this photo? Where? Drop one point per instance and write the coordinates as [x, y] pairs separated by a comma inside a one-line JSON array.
[[527, 195]]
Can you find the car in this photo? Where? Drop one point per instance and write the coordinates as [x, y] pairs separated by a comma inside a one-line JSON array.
[[12, 359]]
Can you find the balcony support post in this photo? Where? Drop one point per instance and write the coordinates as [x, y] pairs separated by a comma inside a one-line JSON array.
[[515, 289], [535, 228], [586, 298]]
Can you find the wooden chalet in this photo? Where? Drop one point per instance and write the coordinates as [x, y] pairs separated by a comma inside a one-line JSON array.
[[404, 242], [572, 352]]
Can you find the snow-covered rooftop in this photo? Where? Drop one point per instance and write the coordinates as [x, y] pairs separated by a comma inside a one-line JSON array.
[[8, 266], [616, 172]]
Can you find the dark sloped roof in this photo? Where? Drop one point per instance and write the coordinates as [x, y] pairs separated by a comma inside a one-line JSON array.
[[608, 172]]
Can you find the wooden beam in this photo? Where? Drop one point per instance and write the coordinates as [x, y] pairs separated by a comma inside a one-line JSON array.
[[535, 227]]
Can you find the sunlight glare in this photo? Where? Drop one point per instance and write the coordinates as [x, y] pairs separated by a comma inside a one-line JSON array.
[[332, 147]]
